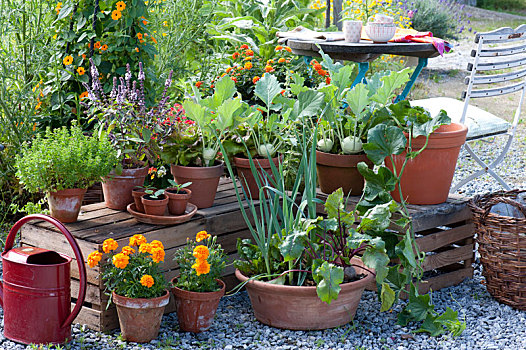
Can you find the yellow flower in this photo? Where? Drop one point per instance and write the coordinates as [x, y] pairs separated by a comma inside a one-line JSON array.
[[109, 245], [202, 267], [116, 14], [127, 250], [147, 281], [137, 240], [145, 248], [157, 254], [55, 36], [248, 65], [201, 252], [67, 60], [81, 70], [281, 60], [165, 23], [59, 6], [94, 258], [120, 260], [121, 5], [164, 34], [201, 235]]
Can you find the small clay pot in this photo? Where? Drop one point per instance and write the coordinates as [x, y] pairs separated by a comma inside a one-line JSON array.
[[204, 181], [137, 193], [117, 189], [196, 310], [177, 200], [246, 177], [64, 205], [153, 206], [140, 319]]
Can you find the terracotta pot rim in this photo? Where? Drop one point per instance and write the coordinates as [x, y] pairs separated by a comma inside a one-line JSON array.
[[243, 162], [172, 195], [204, 296], [308, 290], [141, 303], [198, 173], [341, 160], [68, 192], [442, 139], [126, 174]]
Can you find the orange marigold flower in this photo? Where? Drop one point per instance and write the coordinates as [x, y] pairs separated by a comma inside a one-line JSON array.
[[147, 281], [317, 66], [281, 60], [81, 70], [269, 62], [235, 55], [137, 240], [268, 69], [279, 47], [67, 60], [327, 80], [121, 5], [83, 95], [201, 235], [248, 65], [116, 14], [97, 45], [249, 52], [127, 250], [201, 252], [94, 258], [104, 47], [202, 267], [139, 36], [248, 58], [83, 56], [120, 260], [222, 75], [255, 79], [322, 72], [144, 22], [109, 245], [145, 248], [157, 254], [288, 49], [229, 69], [198, 84], [244, 47], [157, 244]]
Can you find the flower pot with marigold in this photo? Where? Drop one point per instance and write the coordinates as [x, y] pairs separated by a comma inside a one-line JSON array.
[[198, 289], [138, 287]]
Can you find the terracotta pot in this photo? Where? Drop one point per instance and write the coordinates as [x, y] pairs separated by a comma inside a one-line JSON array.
[[195, 310], [427, 178], [155, 207], [118, 188], [245, 173], [140, 319], [299, 308], [64, 205], [340, 170], [177, 200], [137, 193], [204, 182]]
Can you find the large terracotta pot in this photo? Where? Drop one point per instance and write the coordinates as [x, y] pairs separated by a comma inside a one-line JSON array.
[[140, 319], [204, 182], [118, 188], [340, 170], [299, 308], [427, 177], [245, 173], [178, 200], [64, 205], [196, 311]]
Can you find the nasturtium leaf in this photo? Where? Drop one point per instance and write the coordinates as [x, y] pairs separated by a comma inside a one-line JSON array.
[[383, 141]]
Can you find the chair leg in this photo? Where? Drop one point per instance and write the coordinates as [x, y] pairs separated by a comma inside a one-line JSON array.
[[486, 168]]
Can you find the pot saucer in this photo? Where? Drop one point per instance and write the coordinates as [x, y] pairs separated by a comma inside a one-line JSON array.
[[166, 219]]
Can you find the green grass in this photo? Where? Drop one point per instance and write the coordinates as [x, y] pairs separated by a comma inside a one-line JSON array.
[[487, 25]]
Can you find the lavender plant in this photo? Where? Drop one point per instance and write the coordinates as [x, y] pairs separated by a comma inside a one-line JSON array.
[[125, 119]]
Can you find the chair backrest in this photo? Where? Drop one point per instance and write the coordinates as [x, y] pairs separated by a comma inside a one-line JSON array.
[[499, 66]]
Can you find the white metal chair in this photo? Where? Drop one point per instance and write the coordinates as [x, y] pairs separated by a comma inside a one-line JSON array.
[[502, 51]]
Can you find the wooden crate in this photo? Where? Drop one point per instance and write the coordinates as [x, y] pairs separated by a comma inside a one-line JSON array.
[[97, 223], [445, 233]]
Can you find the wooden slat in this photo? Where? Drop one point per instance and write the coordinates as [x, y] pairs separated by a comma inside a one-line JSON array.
[[97, 320], [442, 281], [94, 294], [440, 239], [435, 261]]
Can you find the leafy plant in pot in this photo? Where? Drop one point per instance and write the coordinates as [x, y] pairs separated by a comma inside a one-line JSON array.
[[178, 196], [132, 128], [137, 286], [343, 130], [198, 289], [64, 163], [155, 202]]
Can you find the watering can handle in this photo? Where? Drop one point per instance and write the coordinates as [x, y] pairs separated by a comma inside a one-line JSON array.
[[78, 255]]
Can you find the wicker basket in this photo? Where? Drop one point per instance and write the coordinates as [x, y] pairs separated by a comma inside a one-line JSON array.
[[502, 247]]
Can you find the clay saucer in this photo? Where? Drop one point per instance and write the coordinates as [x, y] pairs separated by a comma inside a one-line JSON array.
[[166, 219]]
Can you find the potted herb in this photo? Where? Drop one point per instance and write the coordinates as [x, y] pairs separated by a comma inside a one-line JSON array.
[[178, 196], [198, 289], [343, 129], [137, 286], [64, 163], [132, 128]]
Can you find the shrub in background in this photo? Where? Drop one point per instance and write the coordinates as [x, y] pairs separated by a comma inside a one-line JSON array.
[[446, 19]]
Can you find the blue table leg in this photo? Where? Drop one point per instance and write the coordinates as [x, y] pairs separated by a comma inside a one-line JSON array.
[[363, 67], [422, 62]]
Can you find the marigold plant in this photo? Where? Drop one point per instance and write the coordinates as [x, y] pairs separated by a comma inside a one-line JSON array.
[[200, 264], [131, 272]]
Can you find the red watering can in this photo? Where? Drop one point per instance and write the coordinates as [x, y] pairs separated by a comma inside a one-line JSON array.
[[35, 293]]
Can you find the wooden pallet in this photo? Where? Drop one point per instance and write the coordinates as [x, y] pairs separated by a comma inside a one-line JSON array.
[[445, 233], [97, 223]]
